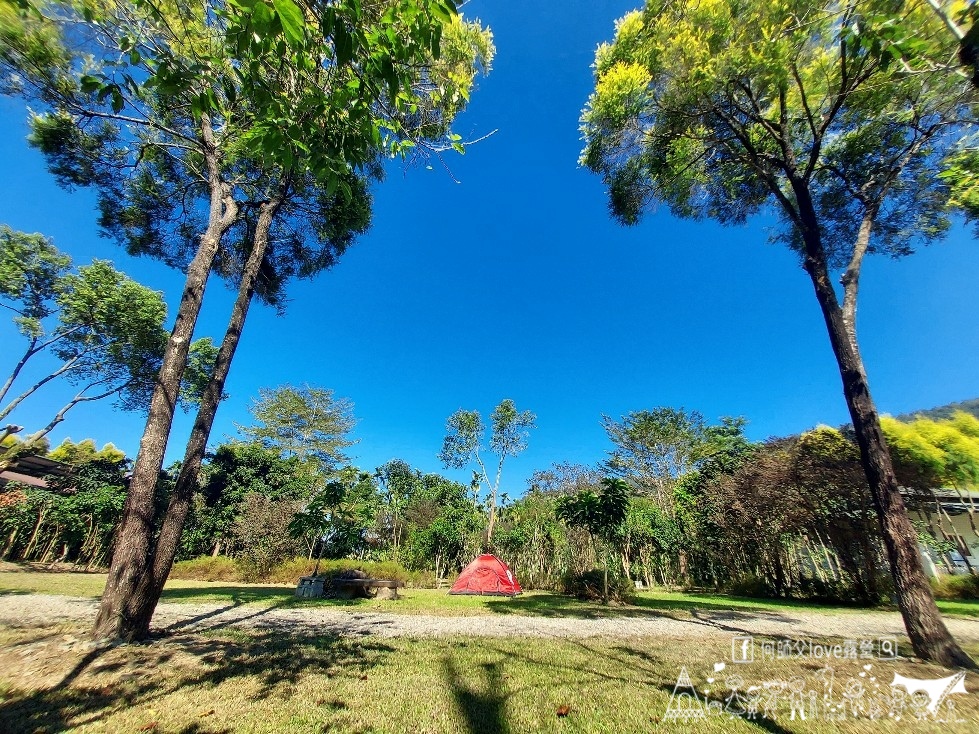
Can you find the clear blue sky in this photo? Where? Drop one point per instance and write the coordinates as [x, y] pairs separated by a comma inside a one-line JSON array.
[[515, 283]]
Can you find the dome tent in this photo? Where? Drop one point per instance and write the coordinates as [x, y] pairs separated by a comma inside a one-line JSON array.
[[486, 575]]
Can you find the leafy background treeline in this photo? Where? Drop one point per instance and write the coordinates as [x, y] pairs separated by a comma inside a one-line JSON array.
[[700, 506]]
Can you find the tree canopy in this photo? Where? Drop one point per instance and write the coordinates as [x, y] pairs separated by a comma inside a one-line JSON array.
[[92, 326], [725, 109], [463, 444], [307, 423]]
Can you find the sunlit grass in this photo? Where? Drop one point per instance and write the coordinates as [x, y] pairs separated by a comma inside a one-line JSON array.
[[264, 682], [439, 603]]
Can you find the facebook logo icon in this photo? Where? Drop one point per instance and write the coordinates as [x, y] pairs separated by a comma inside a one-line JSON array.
[[743, 649]]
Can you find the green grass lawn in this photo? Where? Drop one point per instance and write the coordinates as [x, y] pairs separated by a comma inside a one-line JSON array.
[[438, 602], [238, 682], [253, 681]]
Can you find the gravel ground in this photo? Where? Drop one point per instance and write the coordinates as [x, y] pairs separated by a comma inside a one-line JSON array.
[[30, 610]]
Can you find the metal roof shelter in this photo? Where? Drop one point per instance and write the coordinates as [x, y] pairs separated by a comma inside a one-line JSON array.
[[32, 470]]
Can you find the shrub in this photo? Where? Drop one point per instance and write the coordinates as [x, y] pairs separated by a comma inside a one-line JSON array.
[[221, 568], [288, 572], [207, 568], [423, 579], [590, 585], [751, 586], [262, 535], [950, 588]]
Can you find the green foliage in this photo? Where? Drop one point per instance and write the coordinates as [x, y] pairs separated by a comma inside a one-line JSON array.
[[234, 471], [511, 429], [654, 448], [465, 433], [935, 453], [340, 516], [105, 329], [600, 513], [31, 271], [950, 587], [143, 85], [261, 534], [207, 568], [74, 518], [288, 571], [463, 444], [306, 423], [720, 109], [590, 585], [532, 541], [85, 452]]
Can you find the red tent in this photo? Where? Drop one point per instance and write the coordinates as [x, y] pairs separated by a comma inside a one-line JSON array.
[[486, 575]]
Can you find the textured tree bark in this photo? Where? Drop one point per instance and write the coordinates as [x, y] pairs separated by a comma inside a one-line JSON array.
[[929, 636], [151, 583], [131, 555]]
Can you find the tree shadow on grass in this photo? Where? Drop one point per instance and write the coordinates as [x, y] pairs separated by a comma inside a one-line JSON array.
[[236, 594], [483, 707], [139, 675], [556, 605]]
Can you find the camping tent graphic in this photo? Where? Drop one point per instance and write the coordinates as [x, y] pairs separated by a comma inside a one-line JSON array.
[[684, 701], [486, 575]]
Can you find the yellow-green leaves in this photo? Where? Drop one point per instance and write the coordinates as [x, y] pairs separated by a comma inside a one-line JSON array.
[[942, 452], [621, 91], [709, 105]]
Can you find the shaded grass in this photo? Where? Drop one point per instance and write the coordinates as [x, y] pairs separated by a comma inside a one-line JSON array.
[[258, 682]]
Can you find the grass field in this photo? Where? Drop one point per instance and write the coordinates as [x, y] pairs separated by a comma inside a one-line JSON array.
[[260, 681], [437, 602]]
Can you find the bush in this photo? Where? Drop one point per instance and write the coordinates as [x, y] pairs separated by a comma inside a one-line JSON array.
[[207, 568], [833, 591], [288, 572], [423, 579], [951, 588], [222, 568], [590, 585], [751, 586]]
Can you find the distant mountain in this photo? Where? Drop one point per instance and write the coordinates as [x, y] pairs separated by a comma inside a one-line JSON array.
[[943, 412]]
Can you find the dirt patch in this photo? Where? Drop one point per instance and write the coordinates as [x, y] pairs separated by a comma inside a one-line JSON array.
[[18, 611]]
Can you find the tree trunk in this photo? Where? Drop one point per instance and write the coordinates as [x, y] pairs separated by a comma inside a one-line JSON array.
[[9, 545], [130, 557], [929, 636], [151, 584], [32, 541], [492, 523]]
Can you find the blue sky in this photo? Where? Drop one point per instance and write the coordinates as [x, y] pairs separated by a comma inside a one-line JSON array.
[[514, 283]]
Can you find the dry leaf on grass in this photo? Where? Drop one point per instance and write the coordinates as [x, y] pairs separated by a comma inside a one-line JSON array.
[[563, 711]]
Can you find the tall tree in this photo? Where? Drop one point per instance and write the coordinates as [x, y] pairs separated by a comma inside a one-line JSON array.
[[398, 484], [465, 433], [101, 331], [601, 513], [728, 108], [654, 448], [307, 423], [248, 113]]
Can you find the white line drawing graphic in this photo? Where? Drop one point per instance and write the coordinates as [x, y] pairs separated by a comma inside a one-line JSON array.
[[684, 703], [936, 689]]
